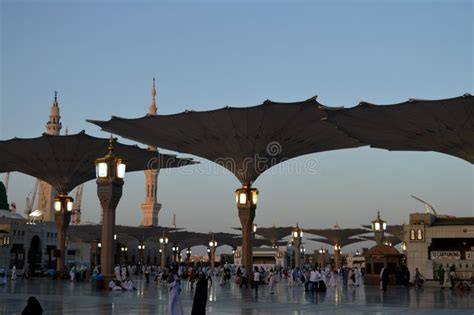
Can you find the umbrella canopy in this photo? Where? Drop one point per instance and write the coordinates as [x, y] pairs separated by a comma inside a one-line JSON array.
[[247, 141], [342, 243], [396, 230], [393, 240], [336, 236], [88, 233], [273, 234], [67, 161], [445, 126]]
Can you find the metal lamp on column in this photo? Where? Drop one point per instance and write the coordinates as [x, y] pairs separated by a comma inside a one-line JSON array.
[[378, 227], [175, 249], [246, 198], [337, 255], [297, 234], [63, 209], [212, 246], [188, 255], [110, 171], [163, 243]]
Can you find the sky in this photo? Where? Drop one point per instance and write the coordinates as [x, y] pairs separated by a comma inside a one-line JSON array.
[[101, 57]]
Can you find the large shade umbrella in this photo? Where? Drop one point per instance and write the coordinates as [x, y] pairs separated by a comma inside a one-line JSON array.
[[342, 243], [67, 161], [445, 126], [387, 240], [247, 141], [273, 234], [337, 235]]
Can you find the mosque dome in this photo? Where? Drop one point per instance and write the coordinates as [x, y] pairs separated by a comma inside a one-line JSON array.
[[383, 250]]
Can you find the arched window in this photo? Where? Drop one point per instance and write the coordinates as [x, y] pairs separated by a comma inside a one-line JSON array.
[[419, 234], [412, 234]]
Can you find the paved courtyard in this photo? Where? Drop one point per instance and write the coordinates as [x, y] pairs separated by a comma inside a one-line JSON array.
[[64, 297]]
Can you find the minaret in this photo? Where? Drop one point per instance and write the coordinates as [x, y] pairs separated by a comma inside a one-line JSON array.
[[46, 192], [150, 206]]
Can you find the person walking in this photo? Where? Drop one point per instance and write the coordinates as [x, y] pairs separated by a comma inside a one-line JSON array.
[[441, 275], [447, 280], [452, 276], [200, 297], [256, 279], [147, 273], [174, 284], [384, 278], [272, 280], [313, 280], [244, 277], [418, 279], [14, 272]]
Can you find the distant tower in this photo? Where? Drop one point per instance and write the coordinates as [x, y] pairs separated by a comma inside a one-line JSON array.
[[150, 206], [46, 192]]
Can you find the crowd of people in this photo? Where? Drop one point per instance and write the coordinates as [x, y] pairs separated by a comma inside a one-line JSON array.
[[311, 278]]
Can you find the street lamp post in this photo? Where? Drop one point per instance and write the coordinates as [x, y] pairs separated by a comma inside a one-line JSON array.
[[124, 250], [337, 255], [378, 227], [163, 243], [175, 250], [297, 234], [404, 249], [246, 198], [302, 253], [63, 209], [188, 255], [141, 250], [212, 246], [110, 171], [321, 252]]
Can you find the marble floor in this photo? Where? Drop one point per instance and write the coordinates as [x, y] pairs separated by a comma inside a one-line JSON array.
[[64, 297]]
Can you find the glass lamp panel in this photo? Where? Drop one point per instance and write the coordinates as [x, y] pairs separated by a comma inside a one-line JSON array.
[[57, 205], [384, 226], [254, 197], [101, 169], [377, 226], [301, 233], [242, 198], [121, 170], [69, 206]]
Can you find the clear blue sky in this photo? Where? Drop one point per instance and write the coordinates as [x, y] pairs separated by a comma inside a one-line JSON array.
[[101, 57]]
